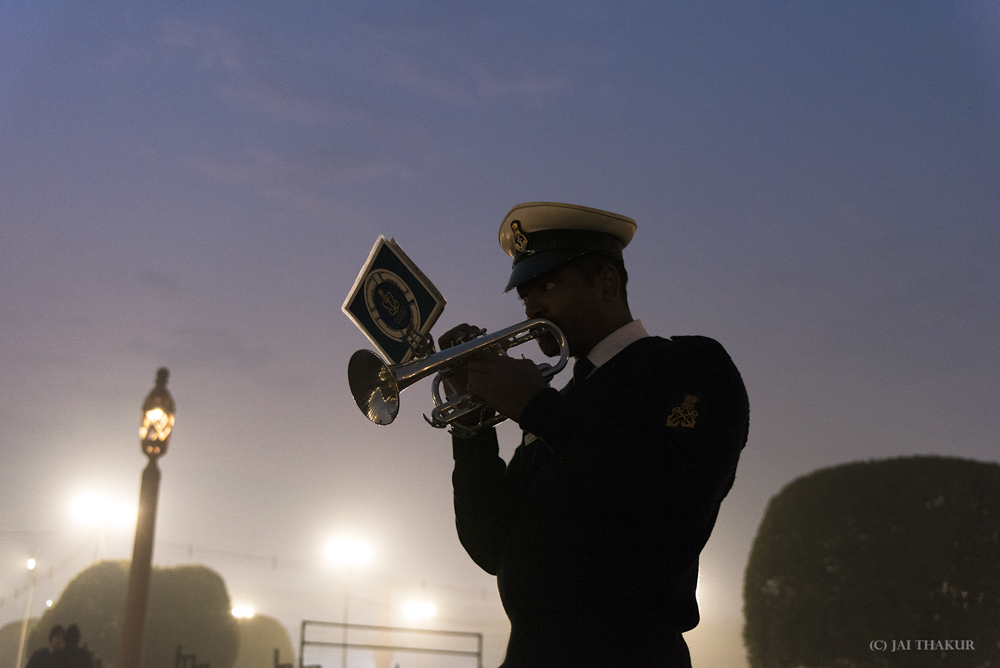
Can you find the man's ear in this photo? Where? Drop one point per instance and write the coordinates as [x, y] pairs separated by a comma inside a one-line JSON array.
[[611, 283]]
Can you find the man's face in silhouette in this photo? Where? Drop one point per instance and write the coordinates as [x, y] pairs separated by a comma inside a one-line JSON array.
[[570, 300]]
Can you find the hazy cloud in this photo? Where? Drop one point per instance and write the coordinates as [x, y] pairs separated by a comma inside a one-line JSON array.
[[460, 56], [213, 47], [472, 81], [278, 104], [306, 179], [158, 281], [205, 346]]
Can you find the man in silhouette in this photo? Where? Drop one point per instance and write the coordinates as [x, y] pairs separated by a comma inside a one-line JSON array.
[[42, 658], [595, 527], [72, 655]]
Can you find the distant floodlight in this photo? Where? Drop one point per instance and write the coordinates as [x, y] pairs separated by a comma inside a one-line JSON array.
[[88, 508], [31, 564], [345, 551], [243, 612], [48, 603], [96, 510], [419, 609]]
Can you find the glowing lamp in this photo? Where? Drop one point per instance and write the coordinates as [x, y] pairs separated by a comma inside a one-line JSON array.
[[345, 551], [419, 609], [157, 417]]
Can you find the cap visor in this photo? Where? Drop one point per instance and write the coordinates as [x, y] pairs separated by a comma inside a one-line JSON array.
[[536, 264]]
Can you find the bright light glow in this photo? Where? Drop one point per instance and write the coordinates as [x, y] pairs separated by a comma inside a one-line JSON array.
[[48, 603], [96, 510], [345, 551], [243, 612], [31, 564], [419, 609], [161, 423]]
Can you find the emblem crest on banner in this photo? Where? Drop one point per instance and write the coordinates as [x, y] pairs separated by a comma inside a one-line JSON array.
[[393, 303]]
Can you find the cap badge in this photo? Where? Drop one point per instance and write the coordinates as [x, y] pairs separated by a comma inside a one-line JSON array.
[[520, 240], [685, 414]]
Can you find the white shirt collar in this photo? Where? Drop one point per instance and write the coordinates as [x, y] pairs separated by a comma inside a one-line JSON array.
[[616, 341]]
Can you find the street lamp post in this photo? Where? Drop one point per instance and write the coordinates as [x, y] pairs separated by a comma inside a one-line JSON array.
[[27, 611], [157, 423]]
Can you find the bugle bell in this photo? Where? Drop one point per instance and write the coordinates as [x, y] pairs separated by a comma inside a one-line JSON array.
[[376, 385]]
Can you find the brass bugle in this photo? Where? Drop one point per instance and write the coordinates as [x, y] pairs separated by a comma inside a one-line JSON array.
[[376, 385]]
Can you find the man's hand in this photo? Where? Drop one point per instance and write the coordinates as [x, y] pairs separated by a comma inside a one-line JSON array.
[[503, 383], [455, 384]]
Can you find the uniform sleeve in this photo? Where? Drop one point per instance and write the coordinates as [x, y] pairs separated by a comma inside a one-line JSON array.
[[667, 432], [481, 505]]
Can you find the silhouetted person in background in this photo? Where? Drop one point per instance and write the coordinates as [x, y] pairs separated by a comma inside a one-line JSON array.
[[72, 655], [43, 658]]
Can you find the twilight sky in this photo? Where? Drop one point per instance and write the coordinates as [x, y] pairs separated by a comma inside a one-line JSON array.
[[196, 185]]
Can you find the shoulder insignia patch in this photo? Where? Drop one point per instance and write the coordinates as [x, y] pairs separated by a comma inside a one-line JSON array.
[[685, 414]]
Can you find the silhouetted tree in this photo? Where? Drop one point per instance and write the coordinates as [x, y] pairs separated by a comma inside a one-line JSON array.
[[188, 606], [10, 638], [94, 599], [260, 635], [896, 550]]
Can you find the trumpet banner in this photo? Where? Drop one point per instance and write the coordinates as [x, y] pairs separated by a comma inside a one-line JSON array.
[[393, 303]]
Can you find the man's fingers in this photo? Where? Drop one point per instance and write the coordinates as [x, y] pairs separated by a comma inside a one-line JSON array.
[[457, 335]]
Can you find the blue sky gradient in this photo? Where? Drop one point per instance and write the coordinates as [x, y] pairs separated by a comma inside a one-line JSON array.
[[196, 185]]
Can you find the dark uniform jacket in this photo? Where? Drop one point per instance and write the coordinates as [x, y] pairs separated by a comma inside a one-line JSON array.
[[42, 658], [73, 656], [594, 528]]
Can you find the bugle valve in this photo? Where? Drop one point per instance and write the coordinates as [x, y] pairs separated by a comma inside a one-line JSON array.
[[376, 385]]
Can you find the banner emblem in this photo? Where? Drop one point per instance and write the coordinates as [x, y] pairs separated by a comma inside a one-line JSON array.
[[393, 303]]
